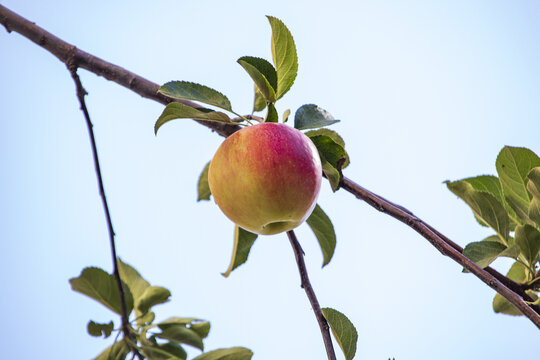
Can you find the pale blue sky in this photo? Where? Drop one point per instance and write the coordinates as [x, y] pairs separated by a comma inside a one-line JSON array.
[[426, 91]]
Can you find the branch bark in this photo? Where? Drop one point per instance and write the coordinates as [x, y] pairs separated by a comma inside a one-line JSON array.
[[81, 92], [68, 53], [306, 285]]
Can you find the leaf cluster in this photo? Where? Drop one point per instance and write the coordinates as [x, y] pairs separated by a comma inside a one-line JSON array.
[[510, 205], [271, 82], [153, 340]]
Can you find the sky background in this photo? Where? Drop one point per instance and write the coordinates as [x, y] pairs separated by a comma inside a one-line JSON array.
[[426, 91]]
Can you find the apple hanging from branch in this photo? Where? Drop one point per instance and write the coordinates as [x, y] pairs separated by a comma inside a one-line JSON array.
[[266, 178]]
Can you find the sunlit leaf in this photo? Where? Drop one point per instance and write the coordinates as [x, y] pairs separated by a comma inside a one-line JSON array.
[[137, 284], [484, 205], [259, 103], [234, 353], [191, 91], [102, 287], [503, 306], [152, 295], [117, 351], [485, 252], [533, 183], [513, 164], [343, 330], [311, 116], [201, 327], [177, 110], [492, 185], [243, 241], [286, 114], [284, 56], [527, 238], [203, 188], [181, 334], [323, 229]]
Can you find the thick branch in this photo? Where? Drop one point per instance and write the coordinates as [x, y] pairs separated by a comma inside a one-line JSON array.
[[306, 285], [81, 92], [69, 53]]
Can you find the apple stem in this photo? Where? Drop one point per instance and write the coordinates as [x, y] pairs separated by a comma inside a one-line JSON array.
[[306, 285]]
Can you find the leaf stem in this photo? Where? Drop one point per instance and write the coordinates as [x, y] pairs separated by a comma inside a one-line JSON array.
[[81, 92], [306, 285]]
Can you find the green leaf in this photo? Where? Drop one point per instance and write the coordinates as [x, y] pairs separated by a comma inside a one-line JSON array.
[[147, 318], [334, 177], [272, 115], [243, 241], [101, 286], [201, 328], [203, 187], [484, 205], [284, 56], [332, 155], [335, 137], [323, 229], [534, 211], [261, 82], [491, 185], [343, 330], [527, 238], [234, 353], [97, 329], [517, 272], [264, 67], [513, 164], [259, 103], [153, 295], [533, 183], [533, 186], [485, 252], [332, 152], [166, 351], [181, 334], [503, 306], [191, 91], [117, 351], [310, 116], [136, 283], [286, 114], [176, 110]]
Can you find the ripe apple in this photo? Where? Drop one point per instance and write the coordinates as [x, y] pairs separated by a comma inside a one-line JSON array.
[[266, 178]]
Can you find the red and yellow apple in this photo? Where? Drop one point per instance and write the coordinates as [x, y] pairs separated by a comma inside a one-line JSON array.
[[266, 178]]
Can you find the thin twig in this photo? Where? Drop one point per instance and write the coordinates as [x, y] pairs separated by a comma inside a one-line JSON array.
[[306, 285], [81, 92], [67, 52]]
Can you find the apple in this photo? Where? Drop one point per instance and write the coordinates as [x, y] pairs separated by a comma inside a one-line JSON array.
[[266, 178]]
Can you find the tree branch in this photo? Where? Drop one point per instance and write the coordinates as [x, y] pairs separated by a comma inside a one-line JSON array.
[[445, 246], [69, 53], [81, 92], [306, 285]]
